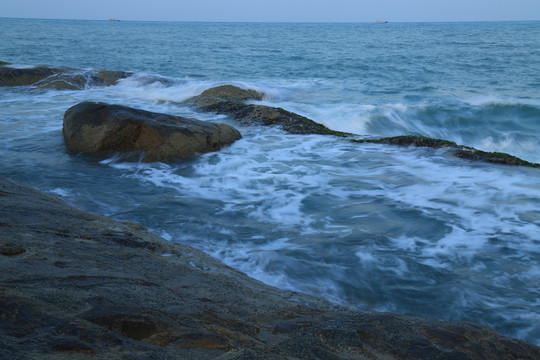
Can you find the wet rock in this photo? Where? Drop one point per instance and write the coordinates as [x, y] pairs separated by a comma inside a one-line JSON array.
[[112, 300], [102, 129], [231, 100], [461, 151], [25, 76], [59, 78], [230, 92]]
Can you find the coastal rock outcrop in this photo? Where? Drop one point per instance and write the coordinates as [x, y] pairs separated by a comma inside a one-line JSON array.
[[461, 151], [85, 286], [59, 78], [103, 129], [231, 100]]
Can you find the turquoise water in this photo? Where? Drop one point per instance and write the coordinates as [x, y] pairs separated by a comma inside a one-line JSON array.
[[407, 230]]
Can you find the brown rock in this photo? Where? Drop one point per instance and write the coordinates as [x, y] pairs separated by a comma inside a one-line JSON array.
[[59, 78], [27, 76], [102, 129], [10, 249], [230, 100]]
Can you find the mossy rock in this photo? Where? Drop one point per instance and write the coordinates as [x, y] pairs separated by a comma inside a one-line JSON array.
[[58, 78], [461, 151], [231, 100]]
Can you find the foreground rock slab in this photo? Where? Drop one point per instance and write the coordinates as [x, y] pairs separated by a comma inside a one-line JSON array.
[[231, 100], [59, 78], [102, 129], [81, 286]]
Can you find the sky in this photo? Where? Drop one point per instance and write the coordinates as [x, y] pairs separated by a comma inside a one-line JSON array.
[[276, 10]]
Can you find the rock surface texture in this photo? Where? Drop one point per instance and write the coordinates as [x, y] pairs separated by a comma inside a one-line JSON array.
[[231, 100], [102, 129], [59, 78], [80, 286]]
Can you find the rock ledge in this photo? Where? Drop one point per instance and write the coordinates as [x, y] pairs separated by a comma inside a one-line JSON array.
[[82, 286]]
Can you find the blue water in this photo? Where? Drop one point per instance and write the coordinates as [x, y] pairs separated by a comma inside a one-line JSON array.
[[379, 228]]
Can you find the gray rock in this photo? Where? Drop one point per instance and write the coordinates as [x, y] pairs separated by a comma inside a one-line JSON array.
[[102, 129], [90, 287]]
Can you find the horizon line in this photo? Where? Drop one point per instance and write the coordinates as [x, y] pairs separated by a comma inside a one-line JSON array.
[[273, 21]]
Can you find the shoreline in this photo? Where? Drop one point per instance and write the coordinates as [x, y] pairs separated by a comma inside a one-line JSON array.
[[84, 286]]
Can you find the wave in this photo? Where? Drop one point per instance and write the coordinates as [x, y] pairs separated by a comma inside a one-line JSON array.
[[493, 100], [489, 123]]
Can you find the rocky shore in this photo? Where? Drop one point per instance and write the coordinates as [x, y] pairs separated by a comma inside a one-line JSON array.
[[225, 99], [80, 286]]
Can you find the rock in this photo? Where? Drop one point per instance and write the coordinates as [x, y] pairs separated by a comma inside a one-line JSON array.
[[460, 151], [230, 92], [59, 78], [231, 100], [102, 129], [125, 293], [25, 76]]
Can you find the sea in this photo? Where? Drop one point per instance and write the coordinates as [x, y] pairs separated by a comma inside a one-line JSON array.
[[375, 227]]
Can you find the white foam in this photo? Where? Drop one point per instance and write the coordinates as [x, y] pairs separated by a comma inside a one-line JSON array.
[[61, 192], [144, 87], [523, 148]]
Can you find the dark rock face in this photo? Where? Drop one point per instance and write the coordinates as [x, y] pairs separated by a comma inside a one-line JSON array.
[[102, 129], [230, 100], [461, 151], [59, 78], [87, 286]]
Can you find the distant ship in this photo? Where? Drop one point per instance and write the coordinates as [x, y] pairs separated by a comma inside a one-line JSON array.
[[114, 20], [382, 22]]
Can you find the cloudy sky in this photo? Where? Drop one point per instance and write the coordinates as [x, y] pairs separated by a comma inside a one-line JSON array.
[[275, 10]]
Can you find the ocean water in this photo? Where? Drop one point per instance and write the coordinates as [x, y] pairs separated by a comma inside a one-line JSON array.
[[375, 227]]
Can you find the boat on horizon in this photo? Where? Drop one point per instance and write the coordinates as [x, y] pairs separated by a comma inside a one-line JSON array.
[[114, 20], [382, 21]]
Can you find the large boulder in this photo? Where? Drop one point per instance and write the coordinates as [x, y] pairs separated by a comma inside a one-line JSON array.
[[82, 286], [103, 129], [58, 78], [231, 100]]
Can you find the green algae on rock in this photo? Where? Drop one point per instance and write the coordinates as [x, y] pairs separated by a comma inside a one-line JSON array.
[[461, 151], [59, 78], [231, 100]]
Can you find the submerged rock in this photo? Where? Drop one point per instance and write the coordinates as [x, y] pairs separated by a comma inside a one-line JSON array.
[[231, 100], [460, 151], [60, 78], [103, 129], [90, 286]]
